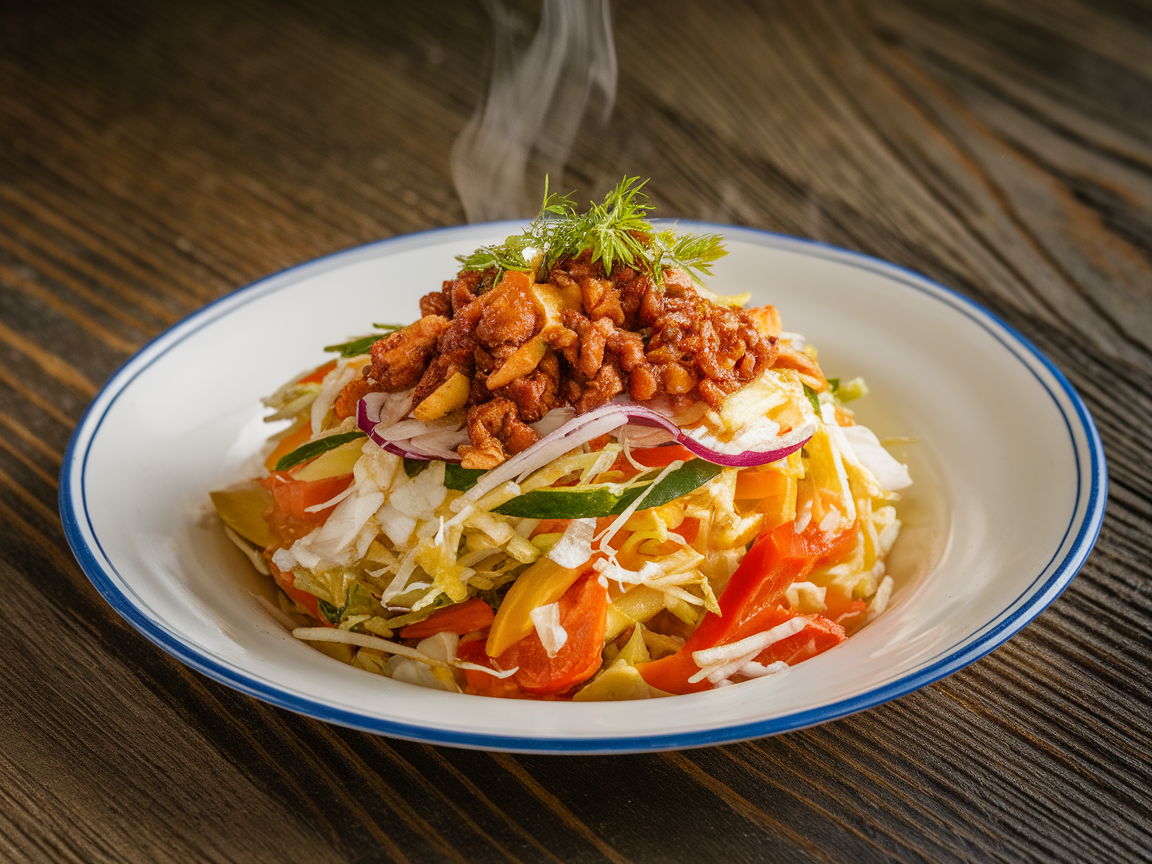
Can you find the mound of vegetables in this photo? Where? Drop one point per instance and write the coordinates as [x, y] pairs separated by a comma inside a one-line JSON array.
[[634, 550]]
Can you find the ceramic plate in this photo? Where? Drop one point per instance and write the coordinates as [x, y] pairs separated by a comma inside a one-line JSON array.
[[1008, 496]]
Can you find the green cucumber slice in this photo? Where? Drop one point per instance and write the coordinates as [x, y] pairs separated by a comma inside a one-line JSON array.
[[314, 448], [583, 502]]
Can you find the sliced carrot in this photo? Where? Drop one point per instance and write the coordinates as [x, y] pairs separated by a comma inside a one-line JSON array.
[[289, 443], [317, 374], [583, 610], [287, 583], [689, 529], [761, 483], [849, 614], [459, 618]]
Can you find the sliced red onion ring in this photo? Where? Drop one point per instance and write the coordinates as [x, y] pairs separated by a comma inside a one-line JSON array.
[[599, 421], [367, 416], [781, 446]]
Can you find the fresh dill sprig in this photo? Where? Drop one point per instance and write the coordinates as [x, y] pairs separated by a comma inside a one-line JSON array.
[[507, 256], [693, 253], [515, 253], [615, 231]]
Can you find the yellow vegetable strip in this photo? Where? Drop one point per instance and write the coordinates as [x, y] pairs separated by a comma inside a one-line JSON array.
[[543, 583]]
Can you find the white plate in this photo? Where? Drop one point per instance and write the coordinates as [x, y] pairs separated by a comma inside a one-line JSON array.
[[1008, 496]]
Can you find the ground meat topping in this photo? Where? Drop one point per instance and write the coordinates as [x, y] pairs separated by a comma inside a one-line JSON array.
[[496, 432], [523, 358], [537, 393]]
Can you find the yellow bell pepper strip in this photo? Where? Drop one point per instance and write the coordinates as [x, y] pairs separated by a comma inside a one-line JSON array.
[[581, 609], [541, 584]]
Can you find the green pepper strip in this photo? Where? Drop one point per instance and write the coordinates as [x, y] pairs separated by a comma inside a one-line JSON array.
[[357, 346], [608, 499], [314, 448]]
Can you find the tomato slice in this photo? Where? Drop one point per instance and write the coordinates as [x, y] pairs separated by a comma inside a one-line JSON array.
[[459, 618], [583, 615], [287, 583], [292, 497], [481, 683]]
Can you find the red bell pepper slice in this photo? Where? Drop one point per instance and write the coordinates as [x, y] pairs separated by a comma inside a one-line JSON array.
[[820, 635], [749, 603]]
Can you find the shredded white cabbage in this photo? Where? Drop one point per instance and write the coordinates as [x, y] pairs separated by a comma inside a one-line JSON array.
[[546, 620], [724, 660], [575, 545], [869, 452], [409, 543]]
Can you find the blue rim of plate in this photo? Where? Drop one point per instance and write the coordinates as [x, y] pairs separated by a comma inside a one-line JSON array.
[[1085, 522]]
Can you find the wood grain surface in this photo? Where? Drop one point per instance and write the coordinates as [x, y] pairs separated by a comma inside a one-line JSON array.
[[155, 156]]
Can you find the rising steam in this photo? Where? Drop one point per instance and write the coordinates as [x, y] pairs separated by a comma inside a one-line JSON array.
[[537, 96]]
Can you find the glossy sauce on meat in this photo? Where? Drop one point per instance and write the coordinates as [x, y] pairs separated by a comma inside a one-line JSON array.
[[629, 335]]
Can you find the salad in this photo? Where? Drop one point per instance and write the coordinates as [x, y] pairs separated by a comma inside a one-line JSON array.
[[580, 474]]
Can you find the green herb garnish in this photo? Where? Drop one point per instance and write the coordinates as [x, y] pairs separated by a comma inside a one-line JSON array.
[[813, 398], [355, 347], [615, 231]]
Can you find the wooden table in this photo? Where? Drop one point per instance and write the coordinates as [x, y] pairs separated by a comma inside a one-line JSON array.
[[156, 156]]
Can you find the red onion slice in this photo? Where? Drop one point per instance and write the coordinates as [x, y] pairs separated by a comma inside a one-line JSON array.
[[781, 446], [366, 420], [549, 447]]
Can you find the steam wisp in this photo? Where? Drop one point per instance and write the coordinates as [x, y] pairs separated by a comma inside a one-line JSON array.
[[536, 99]]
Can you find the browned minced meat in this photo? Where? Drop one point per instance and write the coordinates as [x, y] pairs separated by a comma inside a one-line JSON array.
[[436, 303], [537, 393], [695, 348], [631, 335], [455, 351], [508, 320], [496, 432], [398, 362], [353, 392], [601, 298], [400, 359]]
